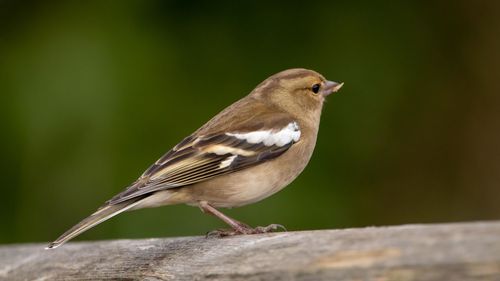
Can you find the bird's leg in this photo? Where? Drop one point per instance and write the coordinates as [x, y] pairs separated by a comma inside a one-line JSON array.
[[237, 226]]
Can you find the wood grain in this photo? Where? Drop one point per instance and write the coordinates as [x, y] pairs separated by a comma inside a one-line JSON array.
[[460, 251]]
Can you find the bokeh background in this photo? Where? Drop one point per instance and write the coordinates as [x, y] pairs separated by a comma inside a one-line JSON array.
[[92, 92]]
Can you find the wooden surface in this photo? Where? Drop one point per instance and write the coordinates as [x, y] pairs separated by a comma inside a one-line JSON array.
[[462, 251]]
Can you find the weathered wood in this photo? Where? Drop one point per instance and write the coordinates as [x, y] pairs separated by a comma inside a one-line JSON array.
[[463, 251]]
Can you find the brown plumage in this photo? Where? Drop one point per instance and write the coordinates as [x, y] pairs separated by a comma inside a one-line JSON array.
[[247, 152]]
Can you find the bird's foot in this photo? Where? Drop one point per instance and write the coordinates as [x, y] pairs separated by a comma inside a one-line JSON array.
[[269, 228], [244, 229]]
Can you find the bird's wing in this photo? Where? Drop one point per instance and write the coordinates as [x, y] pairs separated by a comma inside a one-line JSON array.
[[202, 156]]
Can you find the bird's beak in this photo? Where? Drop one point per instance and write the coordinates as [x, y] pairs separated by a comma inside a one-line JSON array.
[[331, 87]]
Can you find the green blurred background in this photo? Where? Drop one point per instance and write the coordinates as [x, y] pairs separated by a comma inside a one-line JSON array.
[[92, 92]]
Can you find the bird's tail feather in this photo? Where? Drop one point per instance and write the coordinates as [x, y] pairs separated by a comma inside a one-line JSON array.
[[96, 218]]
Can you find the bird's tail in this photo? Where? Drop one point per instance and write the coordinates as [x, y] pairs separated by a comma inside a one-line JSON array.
[[96, 218]]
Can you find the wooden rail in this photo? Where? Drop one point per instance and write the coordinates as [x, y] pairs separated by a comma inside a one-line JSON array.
[[460, 251]]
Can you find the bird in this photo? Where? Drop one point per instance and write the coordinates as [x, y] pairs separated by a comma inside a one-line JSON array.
[[249, 151]]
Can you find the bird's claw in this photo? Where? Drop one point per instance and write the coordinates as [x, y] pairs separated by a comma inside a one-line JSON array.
[[244, 230], [269, 228], [218, 233]]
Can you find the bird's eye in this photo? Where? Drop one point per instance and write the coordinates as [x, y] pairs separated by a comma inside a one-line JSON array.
[[315, 88]]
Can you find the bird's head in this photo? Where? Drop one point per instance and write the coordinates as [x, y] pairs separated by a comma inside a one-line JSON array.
[[297, 91]]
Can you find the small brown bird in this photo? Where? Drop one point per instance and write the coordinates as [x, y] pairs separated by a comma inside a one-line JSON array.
[[247, 152]]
